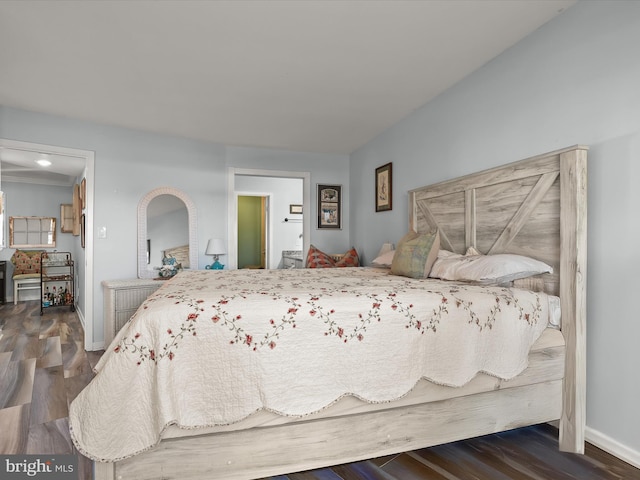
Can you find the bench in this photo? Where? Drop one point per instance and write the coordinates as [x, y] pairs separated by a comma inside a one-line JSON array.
[[26, 271]]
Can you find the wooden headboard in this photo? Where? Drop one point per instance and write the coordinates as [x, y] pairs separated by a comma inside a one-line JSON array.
[[515, 208], [535, 207], [181, 254]]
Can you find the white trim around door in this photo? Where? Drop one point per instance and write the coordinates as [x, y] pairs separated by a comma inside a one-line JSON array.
[[86, 315], [232, 227]]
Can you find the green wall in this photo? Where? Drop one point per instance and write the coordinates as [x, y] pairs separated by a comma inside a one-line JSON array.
[[249, 213]]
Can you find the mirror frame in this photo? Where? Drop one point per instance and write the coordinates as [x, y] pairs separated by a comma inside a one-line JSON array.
[[143, 269]]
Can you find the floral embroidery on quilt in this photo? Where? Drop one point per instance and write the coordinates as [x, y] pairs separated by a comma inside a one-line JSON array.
[[225, 310]]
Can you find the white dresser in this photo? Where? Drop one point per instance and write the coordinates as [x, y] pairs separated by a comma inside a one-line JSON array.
[[121, 300]]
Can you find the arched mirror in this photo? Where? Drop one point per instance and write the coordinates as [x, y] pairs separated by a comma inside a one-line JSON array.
[[166, 227]]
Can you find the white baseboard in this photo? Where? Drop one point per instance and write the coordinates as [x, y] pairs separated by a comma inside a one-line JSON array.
[[613, 447], [94, 345], [81, 317]]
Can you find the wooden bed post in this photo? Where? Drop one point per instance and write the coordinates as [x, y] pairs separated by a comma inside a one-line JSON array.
[[573, 278], [104, 471]]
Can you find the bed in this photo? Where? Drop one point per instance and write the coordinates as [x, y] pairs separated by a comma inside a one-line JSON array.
[[535, 207]]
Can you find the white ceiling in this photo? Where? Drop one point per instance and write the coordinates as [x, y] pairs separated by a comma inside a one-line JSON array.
[[315, 75], [19, 165]]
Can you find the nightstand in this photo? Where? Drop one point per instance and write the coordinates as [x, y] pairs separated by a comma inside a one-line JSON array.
[[121, 300]]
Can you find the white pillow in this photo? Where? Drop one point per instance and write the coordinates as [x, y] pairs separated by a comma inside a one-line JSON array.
[[496, 269], [384, 260]]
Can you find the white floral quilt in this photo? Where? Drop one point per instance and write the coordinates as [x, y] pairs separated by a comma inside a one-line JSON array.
[[213, 347]]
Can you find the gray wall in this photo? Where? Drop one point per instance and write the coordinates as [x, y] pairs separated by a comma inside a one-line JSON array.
[[574, 81]]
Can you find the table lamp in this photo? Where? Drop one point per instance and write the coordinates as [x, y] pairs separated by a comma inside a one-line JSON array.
[[215, 247], [386, 247]]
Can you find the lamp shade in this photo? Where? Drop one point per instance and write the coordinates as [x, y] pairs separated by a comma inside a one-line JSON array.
[[215, 246], [386, 247]]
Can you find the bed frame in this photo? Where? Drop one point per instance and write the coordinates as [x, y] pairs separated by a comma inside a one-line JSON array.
[[535, 207]]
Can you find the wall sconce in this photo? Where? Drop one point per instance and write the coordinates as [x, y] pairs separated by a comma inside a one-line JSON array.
[[215, 247]]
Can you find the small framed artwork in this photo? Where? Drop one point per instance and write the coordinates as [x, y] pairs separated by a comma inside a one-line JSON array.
[[77, 209], [83, 193], [66, 218], [295, 209], [384, 194], [329, 206]]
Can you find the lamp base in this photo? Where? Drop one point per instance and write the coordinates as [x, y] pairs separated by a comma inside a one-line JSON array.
[[215, 266]]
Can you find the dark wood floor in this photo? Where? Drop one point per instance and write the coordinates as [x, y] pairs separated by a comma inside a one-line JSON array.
[[43, 366], [525, 454]]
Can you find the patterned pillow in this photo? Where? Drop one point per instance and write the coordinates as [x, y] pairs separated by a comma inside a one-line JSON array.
[[416, 254], [350, 259], [26, 261], [318, 259]]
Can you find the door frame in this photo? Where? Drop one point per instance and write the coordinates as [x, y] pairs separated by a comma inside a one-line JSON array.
[[232, 218], [87, 316], [265, 220]]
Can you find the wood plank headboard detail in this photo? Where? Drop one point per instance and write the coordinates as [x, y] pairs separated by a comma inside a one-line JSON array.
[[535, 207], [514, 208], [181, 254]]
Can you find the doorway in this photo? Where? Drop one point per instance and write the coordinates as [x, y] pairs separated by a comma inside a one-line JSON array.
[[83, 254], [233, 190], [253, 220]]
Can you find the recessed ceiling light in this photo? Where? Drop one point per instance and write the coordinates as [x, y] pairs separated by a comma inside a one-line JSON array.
[[43, 161]]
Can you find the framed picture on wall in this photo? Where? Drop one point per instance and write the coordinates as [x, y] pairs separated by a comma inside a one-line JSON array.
[[66, 218], [329, 206], [32, 232], [384, 194], [77, 209], [83, 193]]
